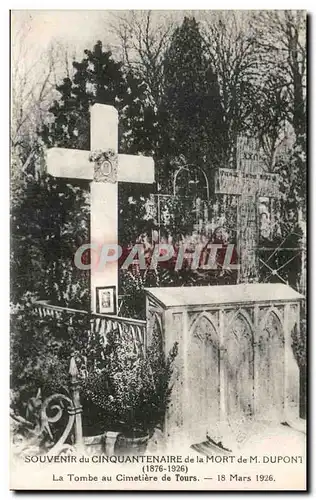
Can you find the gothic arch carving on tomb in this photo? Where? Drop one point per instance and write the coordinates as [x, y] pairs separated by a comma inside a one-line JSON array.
[[202, 368], [208, 317], [271, 311], [239, 365], [269, 366], [245, 316], [247, 313], [280, 312], [263, 311], [155, 326]]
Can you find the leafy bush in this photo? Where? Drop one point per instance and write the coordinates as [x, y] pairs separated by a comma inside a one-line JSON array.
[[133, 390], [120, 387], [49, 221], [299, 346], [41, 349]]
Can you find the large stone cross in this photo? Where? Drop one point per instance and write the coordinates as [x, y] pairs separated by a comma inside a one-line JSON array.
[[107, 169], [249, 182]]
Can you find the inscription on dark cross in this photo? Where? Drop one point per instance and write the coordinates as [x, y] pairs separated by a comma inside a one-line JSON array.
[[249, 182]]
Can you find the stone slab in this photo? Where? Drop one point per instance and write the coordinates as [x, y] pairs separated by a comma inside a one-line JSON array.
[[226, 294]]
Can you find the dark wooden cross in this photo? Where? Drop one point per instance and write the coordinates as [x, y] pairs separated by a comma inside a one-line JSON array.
[[248, 182]]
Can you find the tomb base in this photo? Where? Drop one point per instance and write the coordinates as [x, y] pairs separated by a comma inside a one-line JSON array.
[[235, 365]]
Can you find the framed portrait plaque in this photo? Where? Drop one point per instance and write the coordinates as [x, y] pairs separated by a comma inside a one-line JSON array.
[[106, 299]]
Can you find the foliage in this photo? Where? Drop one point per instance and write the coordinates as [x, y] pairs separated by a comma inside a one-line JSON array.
[[230, 47], [144, 37], [258, 59], [34, 73], [281, 50], [132, 216], [50, 217], [299, 342], [299, 346], [161, 367], [49, 221], [99, 79], [134, 298], [293, 171], [281, 46], [134, 284], [119, 387], [190, 118], [134, 281], [136, 220], [133, 390], [288, 242], [41, 349], [187, 95]]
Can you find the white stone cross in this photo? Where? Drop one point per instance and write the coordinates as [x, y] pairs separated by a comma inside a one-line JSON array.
[[104, 174]]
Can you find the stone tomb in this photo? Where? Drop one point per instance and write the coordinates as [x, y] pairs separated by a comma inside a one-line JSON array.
[[235, 360]]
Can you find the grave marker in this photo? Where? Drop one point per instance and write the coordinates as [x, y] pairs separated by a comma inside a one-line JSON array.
[[235, 363], [105, 172], [249, 182]]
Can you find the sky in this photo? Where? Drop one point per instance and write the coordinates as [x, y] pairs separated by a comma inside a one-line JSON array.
[[34, 31], [40, 36], [67, 32], [78, 29], [74, 27]]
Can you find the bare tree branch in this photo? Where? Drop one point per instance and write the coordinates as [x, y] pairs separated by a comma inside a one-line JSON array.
[[143, 38], [34, 77]]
